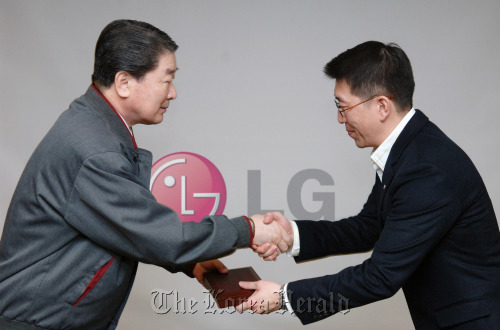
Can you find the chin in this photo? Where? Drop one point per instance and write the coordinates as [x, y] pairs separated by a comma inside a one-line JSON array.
[[157, 120], [360, 145], [151, 122]]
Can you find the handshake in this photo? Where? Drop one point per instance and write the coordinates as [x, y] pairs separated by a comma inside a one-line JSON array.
[[273, 235]]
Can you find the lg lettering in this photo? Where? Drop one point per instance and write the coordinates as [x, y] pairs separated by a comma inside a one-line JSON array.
[[193, 187], [294, 195]]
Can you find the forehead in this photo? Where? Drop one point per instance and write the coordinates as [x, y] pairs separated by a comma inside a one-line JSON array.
[[342, 90], [167, 64]]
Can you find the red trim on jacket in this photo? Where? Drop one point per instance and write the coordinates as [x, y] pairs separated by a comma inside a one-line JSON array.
[[252, 234], [100, 273], [116, 112]]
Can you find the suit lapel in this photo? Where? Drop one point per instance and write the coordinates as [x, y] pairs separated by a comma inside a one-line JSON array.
[[416, 123]]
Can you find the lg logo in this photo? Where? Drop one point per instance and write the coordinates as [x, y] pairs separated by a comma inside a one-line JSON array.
[[294, 195], [192, 186], [189, 184]]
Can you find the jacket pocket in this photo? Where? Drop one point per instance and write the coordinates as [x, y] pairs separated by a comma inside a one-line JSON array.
[[97, 277], [461, 312]]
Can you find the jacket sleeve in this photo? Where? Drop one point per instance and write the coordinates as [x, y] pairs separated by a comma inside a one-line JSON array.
[[111, 208], [424, 205], [351, 235]]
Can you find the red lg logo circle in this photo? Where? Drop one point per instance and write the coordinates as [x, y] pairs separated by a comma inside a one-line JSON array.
[[189, 184]]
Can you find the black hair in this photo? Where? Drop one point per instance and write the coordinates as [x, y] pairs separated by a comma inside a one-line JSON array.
[[373, 68], [130, 46]]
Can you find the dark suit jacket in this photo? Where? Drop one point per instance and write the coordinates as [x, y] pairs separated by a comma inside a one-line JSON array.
[[433, 231]]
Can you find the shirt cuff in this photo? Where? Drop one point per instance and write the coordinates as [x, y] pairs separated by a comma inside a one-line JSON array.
[[287, 302], [294, 251]]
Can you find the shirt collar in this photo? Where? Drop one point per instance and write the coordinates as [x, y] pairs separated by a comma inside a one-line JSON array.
[[381, 154]]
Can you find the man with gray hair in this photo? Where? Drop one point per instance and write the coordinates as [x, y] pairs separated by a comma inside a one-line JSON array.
[[82, 215]]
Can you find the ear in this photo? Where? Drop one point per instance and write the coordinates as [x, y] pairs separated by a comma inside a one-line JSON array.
[[123, 82], [384, 108]]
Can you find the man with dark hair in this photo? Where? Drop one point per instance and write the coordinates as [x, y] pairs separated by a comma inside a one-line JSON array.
[[428, 219], [82, 215], [129, 46]]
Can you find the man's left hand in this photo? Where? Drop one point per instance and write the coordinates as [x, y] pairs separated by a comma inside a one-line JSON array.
[[208, 266]]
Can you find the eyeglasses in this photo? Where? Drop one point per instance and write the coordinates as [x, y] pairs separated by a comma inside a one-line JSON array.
[[342, 110]]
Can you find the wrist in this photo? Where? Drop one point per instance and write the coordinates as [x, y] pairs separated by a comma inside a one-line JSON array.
[[282, 300]]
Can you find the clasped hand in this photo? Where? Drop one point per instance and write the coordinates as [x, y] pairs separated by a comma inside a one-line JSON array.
[[273, 235]]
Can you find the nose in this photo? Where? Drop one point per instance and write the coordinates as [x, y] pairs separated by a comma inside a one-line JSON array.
[[172, 93], [340, 118]]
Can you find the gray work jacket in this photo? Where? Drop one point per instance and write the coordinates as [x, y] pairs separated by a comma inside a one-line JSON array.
[[81, 218]]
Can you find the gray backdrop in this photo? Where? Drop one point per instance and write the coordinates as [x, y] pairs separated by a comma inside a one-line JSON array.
[[252, 96]]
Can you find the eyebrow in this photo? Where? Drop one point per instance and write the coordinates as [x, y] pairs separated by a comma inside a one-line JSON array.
[[170, 71]]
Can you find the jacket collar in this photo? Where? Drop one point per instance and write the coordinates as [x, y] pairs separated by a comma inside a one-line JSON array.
[[106, 110], [415, 125]]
